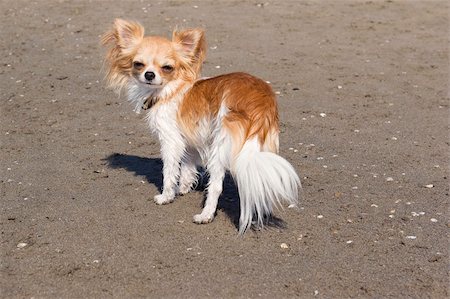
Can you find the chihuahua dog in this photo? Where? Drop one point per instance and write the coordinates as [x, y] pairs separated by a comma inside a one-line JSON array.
[[225, 123]]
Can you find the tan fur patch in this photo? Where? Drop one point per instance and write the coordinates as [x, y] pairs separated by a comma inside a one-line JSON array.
[[251, 104]]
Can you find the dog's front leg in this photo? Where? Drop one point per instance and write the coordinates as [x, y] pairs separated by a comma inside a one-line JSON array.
[[172, 153], [188, 172]]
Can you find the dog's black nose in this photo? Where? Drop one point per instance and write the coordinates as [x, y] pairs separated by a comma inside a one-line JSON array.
[[149, 76]]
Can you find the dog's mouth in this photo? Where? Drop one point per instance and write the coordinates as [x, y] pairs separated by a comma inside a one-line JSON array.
[[149, 103], [153, 85]]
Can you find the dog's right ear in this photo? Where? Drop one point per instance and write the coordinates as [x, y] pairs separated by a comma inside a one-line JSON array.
[[125, 34], [122, 40]]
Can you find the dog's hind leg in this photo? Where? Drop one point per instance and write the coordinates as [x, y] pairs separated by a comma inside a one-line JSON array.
[[215, 186]]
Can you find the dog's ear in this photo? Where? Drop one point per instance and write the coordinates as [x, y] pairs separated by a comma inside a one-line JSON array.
[[122, 40], [191, 46], [125, 34]]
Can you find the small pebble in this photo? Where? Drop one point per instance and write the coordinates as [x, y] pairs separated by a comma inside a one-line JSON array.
[[284, 246], [316, 292], [429, 186], [322, 114], [293, 205], [21, 245], [349, 242], [319, 216], [389, 179], [374, 205], [411, 237], [433, 220], [339, 87]]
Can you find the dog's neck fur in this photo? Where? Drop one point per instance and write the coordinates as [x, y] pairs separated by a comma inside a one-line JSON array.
[[145, 98]]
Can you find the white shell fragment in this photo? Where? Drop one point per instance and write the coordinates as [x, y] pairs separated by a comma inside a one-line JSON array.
[[22, 245], [429, 186], [284, 245]]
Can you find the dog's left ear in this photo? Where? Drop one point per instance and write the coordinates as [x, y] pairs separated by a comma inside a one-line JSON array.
[[191, 45]]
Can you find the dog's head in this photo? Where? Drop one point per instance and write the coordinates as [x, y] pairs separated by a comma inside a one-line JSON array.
[[152, 61]]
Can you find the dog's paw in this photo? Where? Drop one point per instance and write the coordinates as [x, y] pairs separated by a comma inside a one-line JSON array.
[[184, 190], [163, 199], [203, 218]]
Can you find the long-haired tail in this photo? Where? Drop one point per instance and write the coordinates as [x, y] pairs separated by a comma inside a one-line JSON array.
[[264, 180]]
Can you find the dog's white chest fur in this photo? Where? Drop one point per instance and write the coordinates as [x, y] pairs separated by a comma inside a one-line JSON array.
[[162, 120]]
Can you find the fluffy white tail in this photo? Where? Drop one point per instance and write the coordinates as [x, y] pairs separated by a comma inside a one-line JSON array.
[[264, 179]]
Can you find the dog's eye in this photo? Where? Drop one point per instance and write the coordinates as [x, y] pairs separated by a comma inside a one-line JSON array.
[[138, 65], [167, 68]]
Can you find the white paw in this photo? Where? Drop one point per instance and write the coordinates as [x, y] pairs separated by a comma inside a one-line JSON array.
[[184, 190], [163, 199], [203, 218]]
